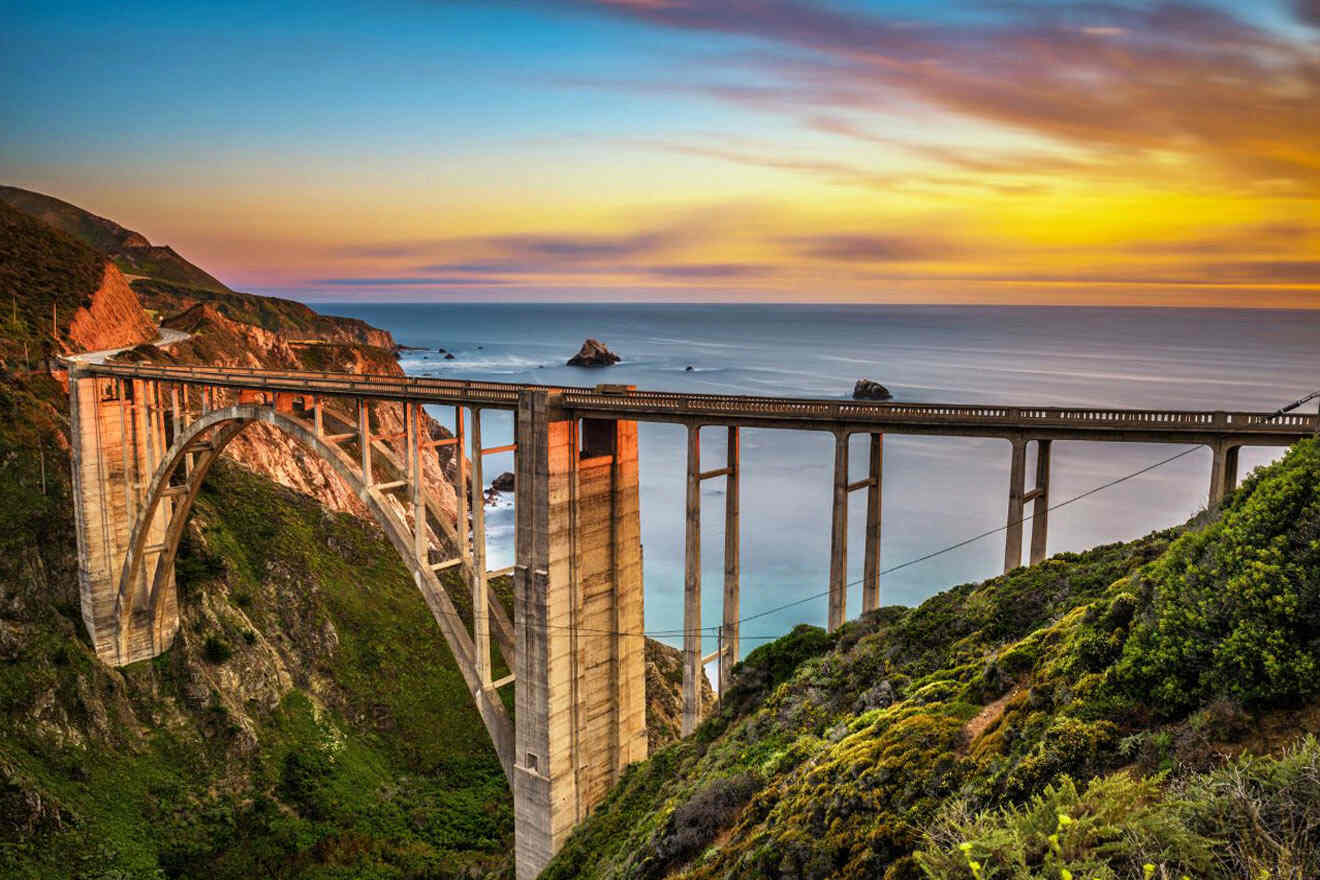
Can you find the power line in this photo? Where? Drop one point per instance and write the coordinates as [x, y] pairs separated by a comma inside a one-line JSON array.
[[975, 538], [673, 633]]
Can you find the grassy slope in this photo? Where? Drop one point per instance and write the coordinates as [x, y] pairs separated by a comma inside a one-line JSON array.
[[835, 755], [40, 267], [129, 249], [373, 764]]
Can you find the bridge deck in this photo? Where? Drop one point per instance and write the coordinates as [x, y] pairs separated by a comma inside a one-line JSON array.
[[1076, 423]]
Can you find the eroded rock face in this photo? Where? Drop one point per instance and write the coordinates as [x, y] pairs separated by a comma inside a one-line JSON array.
[[593, 353], [113, 319], [219, 341], [869, 389], [664, 695], [503, 483]]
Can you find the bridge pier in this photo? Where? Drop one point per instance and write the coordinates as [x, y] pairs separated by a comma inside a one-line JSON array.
[[727, 654], [115, 439], [580, 671], [692, 670], [729, 642], [1039, 497], [1223, 470], [838, 602], [874, 498], [873, 484]]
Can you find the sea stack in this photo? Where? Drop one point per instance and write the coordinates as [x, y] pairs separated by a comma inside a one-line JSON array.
[[869, 389], [593, 353]]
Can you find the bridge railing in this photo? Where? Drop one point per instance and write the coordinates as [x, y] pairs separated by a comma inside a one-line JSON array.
[[668, 404]]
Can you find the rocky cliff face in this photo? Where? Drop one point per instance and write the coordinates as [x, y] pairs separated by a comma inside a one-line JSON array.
[[664, 695], [294, 320], [113, 318], [217, 340]]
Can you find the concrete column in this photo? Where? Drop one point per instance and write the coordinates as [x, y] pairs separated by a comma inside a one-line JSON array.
[[1017, 479], [874, 498], [176, 415], [692, 670], [838, 607], [110, 451], [535, 827], [364, 437], [480, 602], [1040, 503], [461, 482], [1223, 470], [729, 648], [415, 421], [580, 683], [1231, 468]]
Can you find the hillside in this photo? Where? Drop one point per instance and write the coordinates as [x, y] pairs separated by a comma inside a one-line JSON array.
[[1092, 716], [60, 296], [285, 316], [130, 250]]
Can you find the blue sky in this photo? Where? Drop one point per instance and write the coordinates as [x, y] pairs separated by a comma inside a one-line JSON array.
[[969, 145]]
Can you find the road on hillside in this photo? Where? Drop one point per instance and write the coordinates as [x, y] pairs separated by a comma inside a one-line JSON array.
[[166, 337]]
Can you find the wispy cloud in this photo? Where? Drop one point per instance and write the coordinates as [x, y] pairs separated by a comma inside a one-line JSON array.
[[875, 248], [1147, 81]]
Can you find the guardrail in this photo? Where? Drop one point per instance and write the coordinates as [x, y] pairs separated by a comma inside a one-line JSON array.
[[666, 404]]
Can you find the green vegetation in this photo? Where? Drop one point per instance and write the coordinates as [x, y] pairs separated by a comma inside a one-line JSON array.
[[1065, 720], [1256, 817], [308, 722], [134, 255], [40, 268]]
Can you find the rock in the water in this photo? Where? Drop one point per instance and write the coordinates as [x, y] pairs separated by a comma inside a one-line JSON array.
[[448, 356], [867, 389], [503, 483], [593, 353], [689, 369]]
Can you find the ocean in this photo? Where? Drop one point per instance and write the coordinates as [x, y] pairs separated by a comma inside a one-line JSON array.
[[937, 491]]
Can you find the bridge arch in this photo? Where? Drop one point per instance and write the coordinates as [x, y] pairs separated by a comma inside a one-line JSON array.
[[204, 439]]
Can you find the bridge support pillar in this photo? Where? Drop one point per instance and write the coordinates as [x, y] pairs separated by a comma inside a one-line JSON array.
[[1040, 502], [838, 603], [116, 441], [874, 498], [580, 671], [692, 670], [1018, 497], [1017, 478], [729, 648], [1223, 471]]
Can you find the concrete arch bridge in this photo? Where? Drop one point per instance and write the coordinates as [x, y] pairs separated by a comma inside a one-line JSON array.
[[144, 438]]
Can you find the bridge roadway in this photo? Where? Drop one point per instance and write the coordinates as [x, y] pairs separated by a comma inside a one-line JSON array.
[[950, 420]]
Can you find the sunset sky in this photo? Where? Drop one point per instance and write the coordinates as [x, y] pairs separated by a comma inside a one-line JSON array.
[[722, 150]]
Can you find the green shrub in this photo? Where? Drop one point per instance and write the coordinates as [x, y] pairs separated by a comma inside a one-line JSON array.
[[1108, 830], [1234, 609], [1256, 817], [694, 824], [216, 650]]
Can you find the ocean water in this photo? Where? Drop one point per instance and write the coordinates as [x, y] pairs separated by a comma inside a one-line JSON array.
[[937, 491]]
